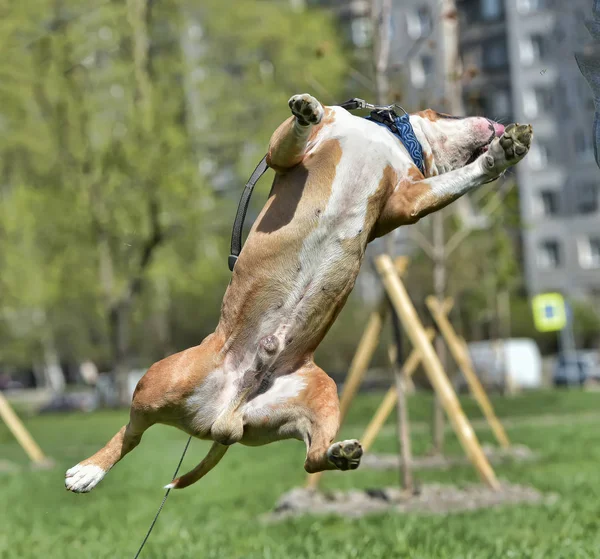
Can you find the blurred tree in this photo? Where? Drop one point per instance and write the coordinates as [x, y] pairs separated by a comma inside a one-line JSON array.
[[122, 127]]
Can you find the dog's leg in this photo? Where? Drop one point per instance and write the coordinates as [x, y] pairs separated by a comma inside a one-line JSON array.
[[288, 143], [84, 476], [311, 414], [324, 454], [413, 200], [319, 403]]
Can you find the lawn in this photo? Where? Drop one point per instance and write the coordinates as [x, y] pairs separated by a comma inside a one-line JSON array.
[[220, 516]]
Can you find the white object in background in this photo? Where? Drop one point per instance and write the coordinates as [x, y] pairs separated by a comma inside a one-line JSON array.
[[133, 377], [519, 357]]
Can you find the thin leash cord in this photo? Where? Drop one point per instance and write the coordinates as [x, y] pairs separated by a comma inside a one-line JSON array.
[[163, 501]]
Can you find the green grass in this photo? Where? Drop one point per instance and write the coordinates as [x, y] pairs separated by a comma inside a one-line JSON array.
[[219, 517]]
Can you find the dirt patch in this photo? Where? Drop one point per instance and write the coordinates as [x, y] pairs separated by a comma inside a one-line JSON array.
[[516, 453], [7, 467], [431, 499]]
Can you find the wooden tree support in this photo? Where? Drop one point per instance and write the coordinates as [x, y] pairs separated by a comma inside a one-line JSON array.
[[416, 332], [460, 354], [20, 432]]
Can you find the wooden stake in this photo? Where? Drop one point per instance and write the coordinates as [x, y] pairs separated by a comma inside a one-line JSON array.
[[20, 432], [461, 356], [416, 332], [389, 400]]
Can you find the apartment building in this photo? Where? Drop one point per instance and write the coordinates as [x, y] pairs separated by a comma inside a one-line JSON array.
[[519, 59]]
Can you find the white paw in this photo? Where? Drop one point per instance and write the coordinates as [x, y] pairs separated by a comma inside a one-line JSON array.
[[509, 149], [306, 109], [83, 478]]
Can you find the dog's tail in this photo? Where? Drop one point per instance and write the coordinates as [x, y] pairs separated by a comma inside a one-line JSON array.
[[216, 452]]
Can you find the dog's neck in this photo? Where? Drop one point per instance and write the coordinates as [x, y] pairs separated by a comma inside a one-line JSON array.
[[429, 163]]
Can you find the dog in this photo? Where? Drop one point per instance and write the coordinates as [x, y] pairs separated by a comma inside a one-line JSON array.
[[341, 181]]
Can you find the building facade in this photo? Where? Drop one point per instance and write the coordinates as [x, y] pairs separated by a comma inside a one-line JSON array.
[[518, 59]]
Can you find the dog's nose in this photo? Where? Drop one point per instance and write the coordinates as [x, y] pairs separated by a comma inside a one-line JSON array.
[[498, 128]]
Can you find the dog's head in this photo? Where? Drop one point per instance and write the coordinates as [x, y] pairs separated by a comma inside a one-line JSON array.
[[451, 142]]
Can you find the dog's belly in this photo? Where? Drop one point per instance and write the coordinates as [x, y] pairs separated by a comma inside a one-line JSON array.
[[304, 252]]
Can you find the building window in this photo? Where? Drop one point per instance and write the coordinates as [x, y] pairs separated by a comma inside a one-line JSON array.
[[589, 252], [547, 203], [537, 101], [587, 198], [360, 30], [419, 23], [491, 10], [544, 98], [494, 54], [528, 6], [428, 66], [539, 155], [583, 145], [500, 104], [548, 255], [562, 98], [421, 70], [533, 49], [560, 33]]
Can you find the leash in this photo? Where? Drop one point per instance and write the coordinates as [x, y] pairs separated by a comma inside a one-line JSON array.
[[163, 501], [382, 115]]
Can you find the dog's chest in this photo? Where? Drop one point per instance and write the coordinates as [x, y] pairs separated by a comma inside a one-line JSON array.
[[311, 237]]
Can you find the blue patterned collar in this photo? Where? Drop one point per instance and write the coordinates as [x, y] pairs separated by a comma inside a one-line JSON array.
[[401, 127]]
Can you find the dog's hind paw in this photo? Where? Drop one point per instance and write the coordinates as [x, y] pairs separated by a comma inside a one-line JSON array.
[[345, 455], [82, 478], [306, 109]]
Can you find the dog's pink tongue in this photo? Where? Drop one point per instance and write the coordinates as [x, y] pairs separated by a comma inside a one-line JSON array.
[[499, 129]]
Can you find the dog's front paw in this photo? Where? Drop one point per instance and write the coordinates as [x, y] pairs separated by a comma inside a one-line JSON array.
[[509, 149], [306, 109], [83, 478], [345, 455]]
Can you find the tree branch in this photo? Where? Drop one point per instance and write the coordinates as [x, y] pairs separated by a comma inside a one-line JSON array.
[[487, 211], [423, 242], [154, 240]]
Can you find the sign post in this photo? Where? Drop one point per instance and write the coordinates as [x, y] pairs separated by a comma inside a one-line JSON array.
[[551, 313]]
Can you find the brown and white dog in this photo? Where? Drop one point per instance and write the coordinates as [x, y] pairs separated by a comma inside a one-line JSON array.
[[341, 181]]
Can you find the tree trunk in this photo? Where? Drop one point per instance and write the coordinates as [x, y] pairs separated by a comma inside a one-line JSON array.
[[402, 419], [439, 287], [119, 343], [452, 70]]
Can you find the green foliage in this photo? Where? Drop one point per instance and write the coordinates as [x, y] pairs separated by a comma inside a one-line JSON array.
[[586, 323], [120, 130], [485, 263]]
